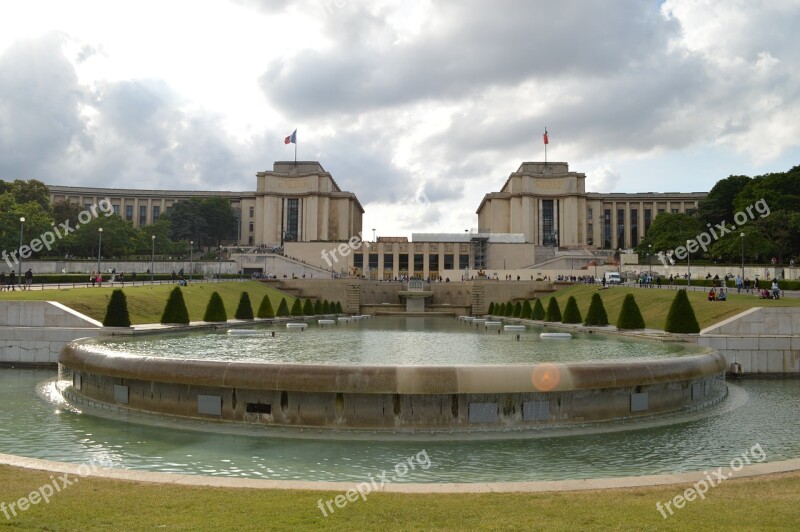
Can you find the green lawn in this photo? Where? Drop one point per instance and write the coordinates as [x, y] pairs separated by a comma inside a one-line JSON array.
[[766, 503], [654, 303], [146, 303]]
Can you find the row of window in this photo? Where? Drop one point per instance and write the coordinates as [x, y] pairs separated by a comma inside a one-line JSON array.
[[634, 229], [419, 262]]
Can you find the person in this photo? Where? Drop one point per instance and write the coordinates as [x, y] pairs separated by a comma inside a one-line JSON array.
[[2, 281], [93, 278], [764, 293], [712, 295], [722, 296], [776, 290], [12, 280], [99, 279], [28, 279]]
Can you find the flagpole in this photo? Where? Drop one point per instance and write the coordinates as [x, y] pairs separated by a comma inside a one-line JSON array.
[[545, 146], [295, 151]]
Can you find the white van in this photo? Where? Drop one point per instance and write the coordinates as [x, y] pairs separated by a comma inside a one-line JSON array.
[[612, 278]]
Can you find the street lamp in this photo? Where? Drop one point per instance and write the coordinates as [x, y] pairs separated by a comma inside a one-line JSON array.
[[373, 235], [742, 236], [650, 262], [152, 258], [688, 266], [99, 247], [191, 258], [21, 229], [219, 262]]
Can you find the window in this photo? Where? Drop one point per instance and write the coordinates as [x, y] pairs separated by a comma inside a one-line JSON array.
[[403, 263], [674, 211], [548, 225], [373, 262], [463, 261], [419, 263], [388, 262], [129, 212], [142, 214], [620, 228], [607, 229], [156, 212], [647, 220], [634, 227], [433, 263], [448, 262], [250, 227], [292, 218], [252, 212], [116, 209], [358, 260]]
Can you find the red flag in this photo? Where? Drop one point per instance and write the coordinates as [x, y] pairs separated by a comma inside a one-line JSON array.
[[546, 140]]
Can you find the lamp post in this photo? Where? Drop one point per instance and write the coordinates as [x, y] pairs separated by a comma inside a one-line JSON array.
[[650, 262], [99, 247], [742, 237], [219, 262], [191, 258], [373, 235], [688, 266], [21, 230], [152, 259]]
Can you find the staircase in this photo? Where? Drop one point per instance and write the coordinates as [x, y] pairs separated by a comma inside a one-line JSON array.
[[477, 299], [353, 300]]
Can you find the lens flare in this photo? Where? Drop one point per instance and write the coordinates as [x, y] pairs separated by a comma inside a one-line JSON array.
[[545, 377]]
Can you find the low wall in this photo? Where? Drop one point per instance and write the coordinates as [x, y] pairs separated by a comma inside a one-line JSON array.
[[762, 340], [33, 332]]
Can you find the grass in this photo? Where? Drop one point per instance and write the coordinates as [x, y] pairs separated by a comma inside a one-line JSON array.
[[94, 504], [654, 303], [146, 303]]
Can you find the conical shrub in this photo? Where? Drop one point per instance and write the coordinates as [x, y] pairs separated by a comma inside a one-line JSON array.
[[681, 317], [245, 310], [308, 307], [339, 308], [297, 308], [526, 310], [572, 313], [175, 309], [317, 307], [215, 310], [500, 309], [283, 308], [265, 308], [553, 311], [490, 311], [117, 310], [326, 307], [517, 309], [538, 310], [509, 309], [596, 315], [629, 315]]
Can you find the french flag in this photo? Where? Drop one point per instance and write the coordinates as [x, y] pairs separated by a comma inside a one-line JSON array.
[[291, 138]]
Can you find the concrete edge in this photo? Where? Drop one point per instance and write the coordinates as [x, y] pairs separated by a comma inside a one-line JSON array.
[[85, 470], [89, 321], [737, 317]]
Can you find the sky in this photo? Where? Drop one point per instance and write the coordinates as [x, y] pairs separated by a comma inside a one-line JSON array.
[[418, 107]]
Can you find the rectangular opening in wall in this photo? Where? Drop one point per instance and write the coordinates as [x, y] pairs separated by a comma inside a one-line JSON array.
[[483, 412], [121, 394], [258, 408], [209, 404], [536, 410], [76, 381], [639, 402]]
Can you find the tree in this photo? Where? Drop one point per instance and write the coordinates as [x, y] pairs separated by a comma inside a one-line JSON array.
[[215, 311], [517, 309], [308, 307], [339, 307], [265, 308], [717, 206], [681, 317], [629, 315], [297, 308], [572, 313], [538, 310], [117, 310], [29, 191], [317, 307], [283, 308], [509, 309], [220, 219], [596, 315], [326, 307], [245, 310], [175, 309], [526, 310], [490, 310], [553, 311], [670, 231], [500, 309]]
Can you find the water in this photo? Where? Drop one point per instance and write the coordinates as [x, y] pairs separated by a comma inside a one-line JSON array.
[[395, 341], [765, 412]]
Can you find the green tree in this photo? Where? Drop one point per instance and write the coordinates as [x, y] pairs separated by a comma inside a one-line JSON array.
[[175, 309], [215, 311], [553, 311], [117, 310], [670, 231], [517, 309], [526, 310], [629, 315], [297, 308], [339, 307], [245, 310], [29, 191], [283, 308], [500, 309], [265, 308], [572, 313], [308, 307], [717, 206], [538, 310], [509, 309], [681, 317], [326, 307], [317, 307], [490, 310], [596, 315]]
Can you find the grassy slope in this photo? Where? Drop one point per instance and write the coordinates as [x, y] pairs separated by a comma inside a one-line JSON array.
[[655, 303], [146, 303], [745, 504]]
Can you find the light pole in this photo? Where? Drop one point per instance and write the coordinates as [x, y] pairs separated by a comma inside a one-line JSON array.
[[152, 259], [742, 236], [191, 258], [373, 235], [219, 263], [21, 230], [650, 262], [688, 266], [99, 247]]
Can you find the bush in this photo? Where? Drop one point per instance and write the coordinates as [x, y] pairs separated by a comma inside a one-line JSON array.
[[491, 309], [509, 309], [117, 310], [308, 307], [572, 313], [265, 308], [553, 311], [517, 310], [297, 308], [526, 310], [175, 309], [500, 309], [326, 307], [245, 310], [215, 311], [339, 308], [629, 315], [681, 317], [283, 308], [596, 315], [318, 307], [538, 310]]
